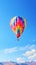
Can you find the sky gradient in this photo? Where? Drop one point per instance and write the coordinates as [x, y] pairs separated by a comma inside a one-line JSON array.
[[10, 48]]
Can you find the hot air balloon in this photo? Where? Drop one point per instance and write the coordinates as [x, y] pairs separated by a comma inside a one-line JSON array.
[[18, 24]]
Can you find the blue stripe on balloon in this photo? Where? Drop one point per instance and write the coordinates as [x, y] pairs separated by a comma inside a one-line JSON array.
[[16, 20], [21, 19], [18, 31]]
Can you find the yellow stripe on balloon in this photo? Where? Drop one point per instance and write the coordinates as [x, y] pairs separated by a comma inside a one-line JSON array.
[[20, 31]]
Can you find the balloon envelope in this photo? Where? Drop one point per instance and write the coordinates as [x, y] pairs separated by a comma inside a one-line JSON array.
[[18, 25]]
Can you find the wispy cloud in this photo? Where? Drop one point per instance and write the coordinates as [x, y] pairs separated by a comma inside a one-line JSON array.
[[14, 49], [10, 50], [32, 56], [24, 48], [30, 53], [27, 52], [32, 46], [18, 49], [20, 60]]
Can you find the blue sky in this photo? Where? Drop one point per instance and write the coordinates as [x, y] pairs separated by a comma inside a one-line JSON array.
[[10, 48]]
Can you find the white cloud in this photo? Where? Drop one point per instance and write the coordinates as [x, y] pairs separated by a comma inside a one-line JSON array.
[[27, 47], [19, 49], [32, 56], [15, 49], [4, 60], [28, 53], [20, 60], [10, 50]]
